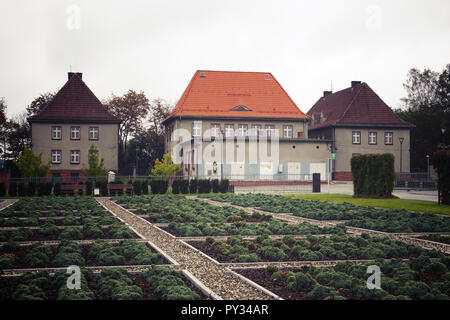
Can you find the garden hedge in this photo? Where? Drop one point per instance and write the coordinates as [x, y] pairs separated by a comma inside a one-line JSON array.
[[441, 162], [373, 175], [2, 189]]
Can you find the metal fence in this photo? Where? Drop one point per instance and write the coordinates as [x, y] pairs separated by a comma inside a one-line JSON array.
[[416, 181]]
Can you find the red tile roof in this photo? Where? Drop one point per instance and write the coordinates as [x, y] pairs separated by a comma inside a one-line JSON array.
[[357, 105], [75, 102], [216, 93]]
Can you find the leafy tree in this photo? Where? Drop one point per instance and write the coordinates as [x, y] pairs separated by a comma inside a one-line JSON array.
[[427, 98], [165, 168], [132, 108], [30, 165], [39, 103], [96, 168], [18, 135]]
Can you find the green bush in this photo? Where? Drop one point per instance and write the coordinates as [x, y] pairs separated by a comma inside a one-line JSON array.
[[215, 186], [49, 228], [21, 189], [204, 186], [144, 187], [272, 253], [184, 186], [302, 282], [116, 284], [12, 191], [441, 162], [176, 186], [193, 186], [137, 187], [89, 188], [57, 189], [373, 175], [110, 257], [38, 256], [69, 253], [21, 234], [71, 233], [31, 189], [6, 262], [120, 231], [92, 230], [29, 292], [322, 292], [224, 185], [2, 189]]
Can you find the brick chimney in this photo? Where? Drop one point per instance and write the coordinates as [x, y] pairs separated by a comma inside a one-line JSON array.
[[71, 74], [355, 83], [327, 93]]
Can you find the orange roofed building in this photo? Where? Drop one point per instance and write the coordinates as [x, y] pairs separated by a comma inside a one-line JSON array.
[[242, 126]]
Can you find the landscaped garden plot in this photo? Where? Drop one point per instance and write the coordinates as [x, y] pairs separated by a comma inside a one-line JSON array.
[[313, 248], [420, 278], [178, 209], [387, 220], [98, 253], [436, 238], [274, 227], [159, 283]]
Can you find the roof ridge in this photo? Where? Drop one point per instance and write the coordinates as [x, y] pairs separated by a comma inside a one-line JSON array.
[[351, 102]]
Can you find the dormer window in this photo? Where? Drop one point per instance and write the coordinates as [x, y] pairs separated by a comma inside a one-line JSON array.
[[241, 108]]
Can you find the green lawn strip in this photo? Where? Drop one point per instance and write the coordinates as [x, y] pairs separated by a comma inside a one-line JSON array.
[[411, 205]]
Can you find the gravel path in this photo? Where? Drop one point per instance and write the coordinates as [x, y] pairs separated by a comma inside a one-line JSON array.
[[6, 203], [220, 280]]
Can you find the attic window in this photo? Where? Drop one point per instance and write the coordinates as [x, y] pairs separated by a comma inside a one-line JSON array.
[[202, 75], [241, 108]]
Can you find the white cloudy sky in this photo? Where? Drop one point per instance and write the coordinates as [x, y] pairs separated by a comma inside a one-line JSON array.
[[156, 46]]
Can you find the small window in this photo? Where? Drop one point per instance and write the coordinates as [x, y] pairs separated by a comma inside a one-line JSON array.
[[229, 130], [256, 130], [93, 133], [56, 133], [197, 129], [356, 137], [372, 138], [270, 130], [242, 130], [215, 130], [287, 131], [56, 156], [75, 133], [388, 138], [75, 156]]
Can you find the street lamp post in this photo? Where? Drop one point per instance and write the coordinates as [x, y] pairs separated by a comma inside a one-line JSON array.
[[401, 139]]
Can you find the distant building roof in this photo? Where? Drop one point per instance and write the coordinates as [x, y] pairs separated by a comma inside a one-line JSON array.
[[357, 105], [75, 102], [236, 94]]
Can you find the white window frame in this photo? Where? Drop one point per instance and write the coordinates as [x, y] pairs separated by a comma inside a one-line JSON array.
[[215, 130], [229, 130], [372, 140], [56, 156], [56, 133], [288, 131], [75, 156], [242, 130], [389, 138], [270, 130], [356, 134], [94, 133], [197, 129], [256, 129], [74, 133]]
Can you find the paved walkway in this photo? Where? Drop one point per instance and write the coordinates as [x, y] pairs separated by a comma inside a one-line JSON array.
[[218, 278]]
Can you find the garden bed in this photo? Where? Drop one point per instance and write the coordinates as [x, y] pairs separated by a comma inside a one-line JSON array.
[[436, 238], [159, 283], [419, 279]]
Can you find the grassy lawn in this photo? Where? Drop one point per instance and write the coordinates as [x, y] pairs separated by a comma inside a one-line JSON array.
[[411, 205]]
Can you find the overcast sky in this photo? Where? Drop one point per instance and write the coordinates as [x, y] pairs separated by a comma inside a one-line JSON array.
[[156, 46]]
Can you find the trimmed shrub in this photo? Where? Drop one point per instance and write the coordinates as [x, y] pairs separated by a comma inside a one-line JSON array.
[[57, 189], [302, 282], [224, 185], [159, 186], [272, 253], [204, 186], [12, 191], [193, 186], [2, 189], [441, 162], [71, 233], [184, 186], [31, 189], [144, 187], [137, 187], [89, 185], [176, 186], [215, 185], [103, 186], [21, 189], [373, 175]]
